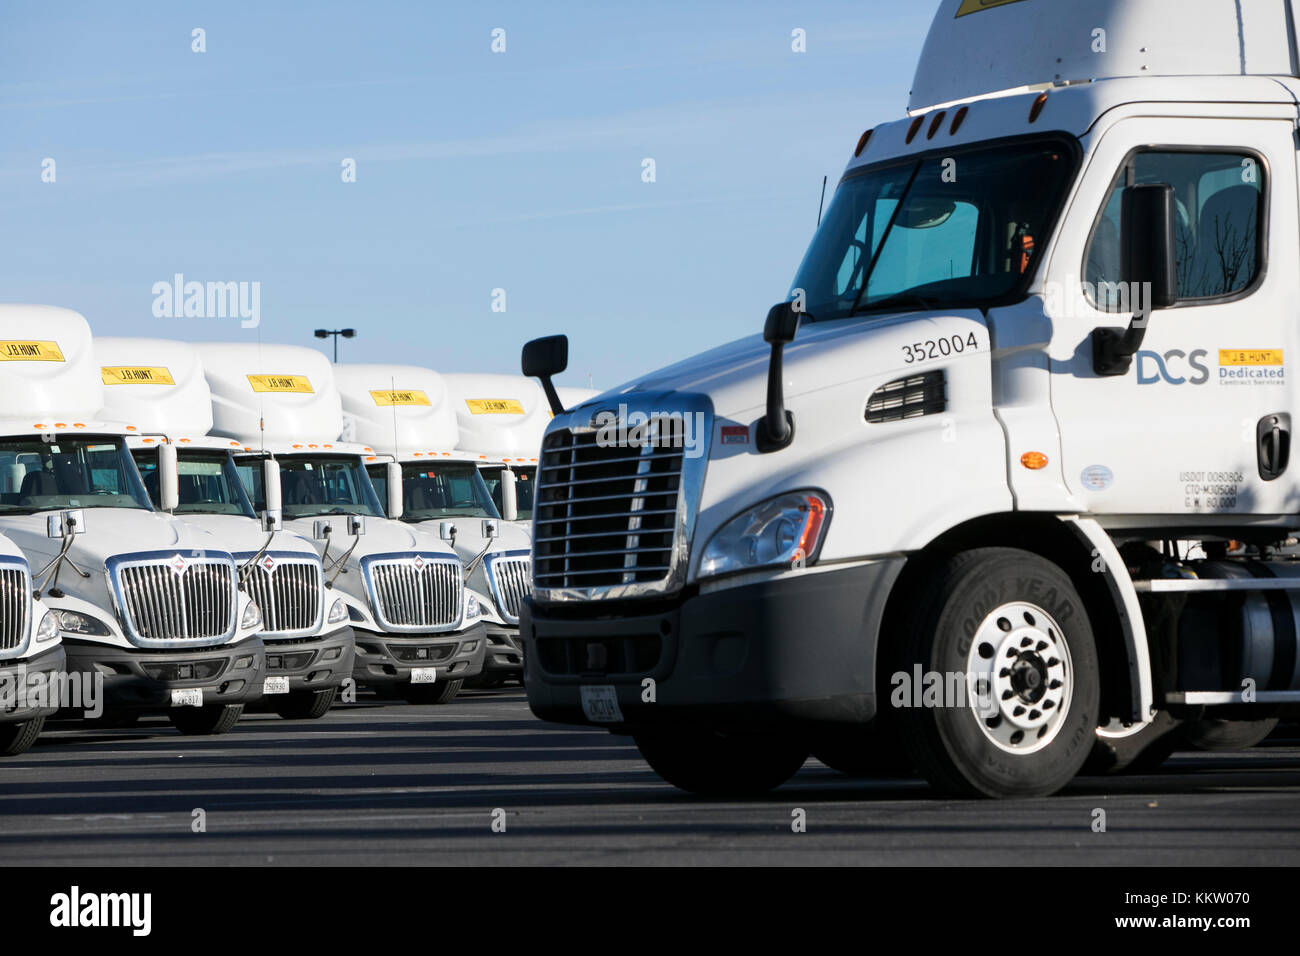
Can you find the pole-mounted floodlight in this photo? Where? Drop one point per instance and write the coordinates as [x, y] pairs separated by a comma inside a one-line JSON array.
[[326, 333]]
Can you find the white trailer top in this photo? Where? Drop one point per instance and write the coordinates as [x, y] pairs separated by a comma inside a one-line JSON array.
[[501, 416], [156, 384], [398, 409], [280, 393], [981, 47], [48, 373]]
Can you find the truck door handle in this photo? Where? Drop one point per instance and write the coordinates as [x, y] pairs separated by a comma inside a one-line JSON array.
[[1273, 444]]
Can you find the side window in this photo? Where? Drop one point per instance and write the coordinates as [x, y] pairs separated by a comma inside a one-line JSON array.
[[1219, 198], [379, 481]]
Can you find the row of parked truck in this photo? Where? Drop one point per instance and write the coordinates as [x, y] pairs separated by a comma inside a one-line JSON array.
[[194, 529]]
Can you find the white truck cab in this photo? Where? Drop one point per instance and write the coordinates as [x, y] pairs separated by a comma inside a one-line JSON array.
[[1010, 464], [502, 419], [419, 632], [159, 386], [406, 412], [146, 602], [32, 675]]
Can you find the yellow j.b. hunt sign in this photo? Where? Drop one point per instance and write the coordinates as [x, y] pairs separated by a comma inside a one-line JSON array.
[[494, 406], [30, 352], [136, 375], [399, 396], [1250, 357], [280, 383], [975, 6]]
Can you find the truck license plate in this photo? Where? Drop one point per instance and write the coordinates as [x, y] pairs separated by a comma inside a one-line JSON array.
[[275, 685], [187, 697], [600, 703], [424, 675]]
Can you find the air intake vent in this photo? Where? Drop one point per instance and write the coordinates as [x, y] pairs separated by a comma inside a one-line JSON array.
[[910, 397]]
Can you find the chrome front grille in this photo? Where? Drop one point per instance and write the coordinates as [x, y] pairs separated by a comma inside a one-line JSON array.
[[288, 589], [15, 607], [176, 600], [614, 507], [416, 592], [511, 579]]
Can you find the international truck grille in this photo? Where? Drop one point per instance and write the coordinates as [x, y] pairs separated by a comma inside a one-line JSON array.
[[910, 397], [606, 513], [511, 579], [289, 592], [178, 599], [15, 604], [420, 593]]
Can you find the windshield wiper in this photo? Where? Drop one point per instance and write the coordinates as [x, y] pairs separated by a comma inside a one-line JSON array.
[[901, 299]]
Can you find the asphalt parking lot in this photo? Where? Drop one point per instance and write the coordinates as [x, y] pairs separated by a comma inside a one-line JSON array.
[[386, 783]]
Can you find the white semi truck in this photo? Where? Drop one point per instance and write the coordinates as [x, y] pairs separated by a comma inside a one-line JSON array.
[[975, 489], [406, 412], [502, 419], [145, 602], [419, 630], [159, 386], [32, 675]]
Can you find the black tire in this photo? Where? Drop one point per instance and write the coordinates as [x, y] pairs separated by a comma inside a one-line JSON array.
[[869, 751], [443, 692], [1226, 735], [951, 630], [715, 764], [1139, 751], [305, 704], [18, 737], [208, 720]]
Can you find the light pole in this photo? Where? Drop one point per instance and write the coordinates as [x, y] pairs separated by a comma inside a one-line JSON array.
[[326, 333]]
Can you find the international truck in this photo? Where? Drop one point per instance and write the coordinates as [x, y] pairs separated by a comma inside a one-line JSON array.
[[159, 385], [148, 607], [32, 675], [1010, 463], [501, 418], [405, 411], [418, 628]]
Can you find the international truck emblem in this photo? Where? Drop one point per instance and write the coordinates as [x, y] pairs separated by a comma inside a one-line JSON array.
[[178, 564], [419, 563], [268, 564]]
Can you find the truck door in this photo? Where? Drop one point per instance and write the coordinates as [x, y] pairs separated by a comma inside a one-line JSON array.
[[1200, 423]]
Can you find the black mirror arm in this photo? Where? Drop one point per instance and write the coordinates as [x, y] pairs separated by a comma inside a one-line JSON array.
[[776, 430], [1113, 349]]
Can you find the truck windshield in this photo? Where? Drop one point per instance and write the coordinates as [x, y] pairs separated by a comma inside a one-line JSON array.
[[438, 490], [208, 482], [315, 486], [961, 228], [525, 480], [80, 472]]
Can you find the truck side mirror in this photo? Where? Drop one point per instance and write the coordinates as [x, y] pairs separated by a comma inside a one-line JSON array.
[[490, 529], [272, 508], [509, 496], [65, 523], [776, 429], [393, 487], [447, 531], [543, 358], [1149, 264], [356, 525], [169, 492]]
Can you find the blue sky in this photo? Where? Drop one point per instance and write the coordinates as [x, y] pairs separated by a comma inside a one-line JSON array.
[[475, 171]]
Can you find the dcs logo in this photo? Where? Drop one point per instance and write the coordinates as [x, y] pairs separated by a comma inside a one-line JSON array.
[[1152, 367]]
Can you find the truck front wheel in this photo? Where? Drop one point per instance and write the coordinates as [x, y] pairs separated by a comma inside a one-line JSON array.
[[717, 764], [210, 719], [18, 737], [1000, 641]]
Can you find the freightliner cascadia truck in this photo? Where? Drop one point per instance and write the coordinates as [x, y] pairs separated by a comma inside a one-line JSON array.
[[159, 386], [146, 603], [1010, 463], [405, 412], [418, 627]]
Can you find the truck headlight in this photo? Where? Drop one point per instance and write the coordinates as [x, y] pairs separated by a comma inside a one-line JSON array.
[[471, 608], [74, 622], [252, 616], [49, 628], [785, 530], [338, 612]]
